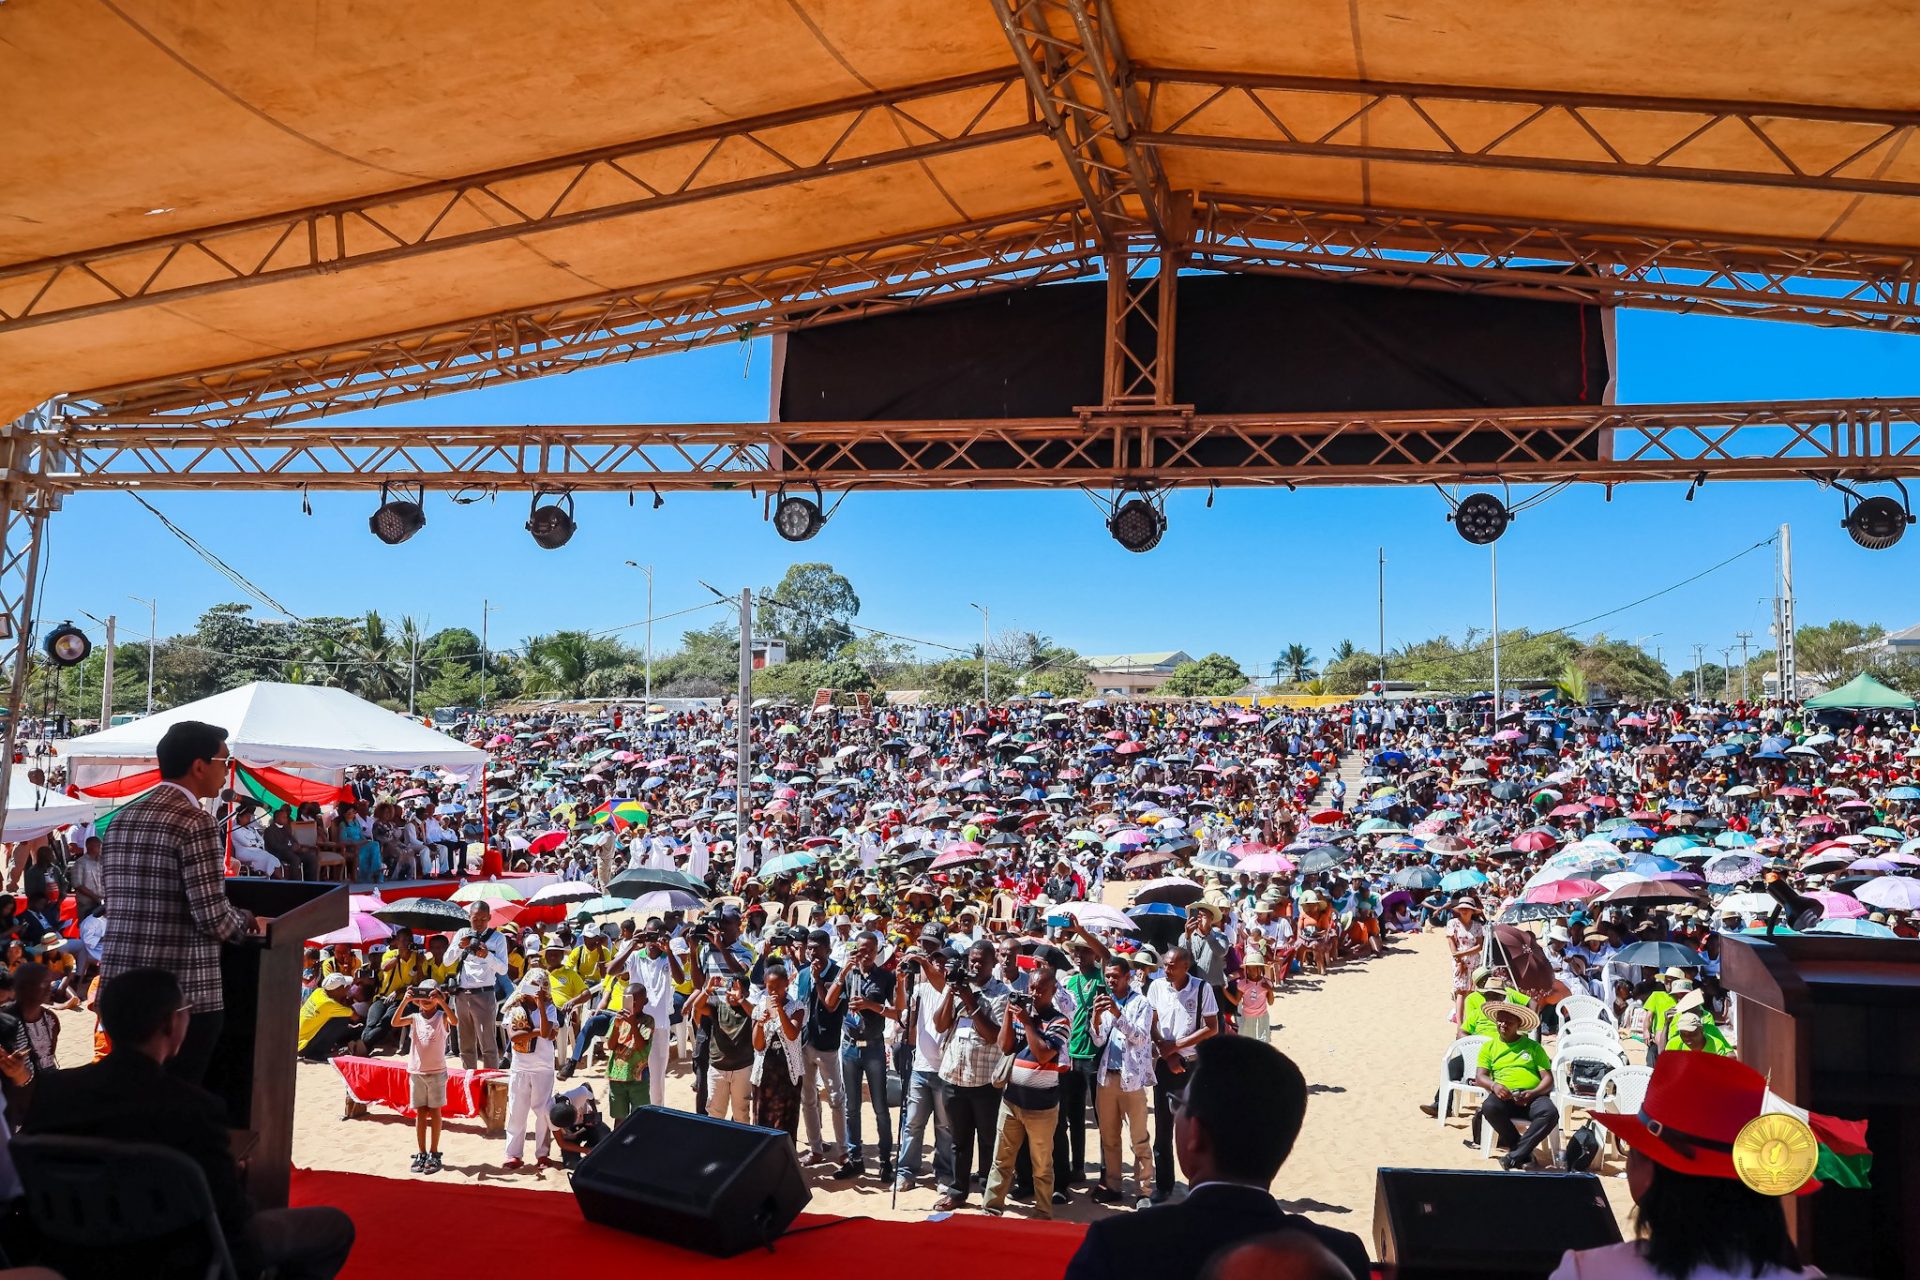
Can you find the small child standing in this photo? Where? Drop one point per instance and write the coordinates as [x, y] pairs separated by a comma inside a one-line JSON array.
[[424, 1013], [1256, 998], [629, 1040]]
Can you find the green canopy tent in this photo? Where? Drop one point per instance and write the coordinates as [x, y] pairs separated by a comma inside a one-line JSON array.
[[1862, 693]]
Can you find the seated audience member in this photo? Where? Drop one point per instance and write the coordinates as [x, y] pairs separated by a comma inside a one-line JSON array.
[[1518, 1076], [128, 1097], [1236, 1126], [250, 843]]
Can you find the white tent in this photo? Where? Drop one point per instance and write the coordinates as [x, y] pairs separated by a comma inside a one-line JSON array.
[[34, 811], [311, 729]]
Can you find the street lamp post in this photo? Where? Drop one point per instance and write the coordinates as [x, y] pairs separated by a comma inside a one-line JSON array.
[[986, 638], [648, 570], [153, 632]]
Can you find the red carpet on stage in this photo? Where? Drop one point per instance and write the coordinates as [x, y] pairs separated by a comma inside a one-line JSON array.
[[415, 1227]]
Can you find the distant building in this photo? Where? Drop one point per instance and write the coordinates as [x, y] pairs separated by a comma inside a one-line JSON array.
[[1125, 675], [1901, 646], [768, 653]]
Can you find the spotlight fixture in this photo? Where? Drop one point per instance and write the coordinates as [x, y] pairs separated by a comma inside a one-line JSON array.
[[1137, 524], [1876, 523], [552, 525], [1481, 518], [67, 645], [797, 519], [397, 518]]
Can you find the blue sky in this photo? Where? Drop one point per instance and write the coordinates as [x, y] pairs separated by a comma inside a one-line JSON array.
[[1261, 569]]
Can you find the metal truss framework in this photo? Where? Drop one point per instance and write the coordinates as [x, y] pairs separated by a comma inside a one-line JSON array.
[[1818, 440], [844, 136], [1779, 278], [26, 500], [844, 283], [1802, 147]]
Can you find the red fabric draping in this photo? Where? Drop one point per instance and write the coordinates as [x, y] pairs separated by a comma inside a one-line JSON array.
[[295, 789], [382, 1082], [118, 788], [387, 1215]]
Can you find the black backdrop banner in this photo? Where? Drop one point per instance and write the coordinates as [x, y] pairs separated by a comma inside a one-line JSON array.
[[1244, 344]]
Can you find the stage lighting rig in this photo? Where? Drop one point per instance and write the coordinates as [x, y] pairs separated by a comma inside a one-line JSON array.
[[552, 525], [1878, 522], [1138, 522], [397, 518], [797, 519], [1480, 518], [67, 645]]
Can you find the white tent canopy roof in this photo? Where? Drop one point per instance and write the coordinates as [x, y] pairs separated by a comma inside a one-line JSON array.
[[283, 726], [34, 811]]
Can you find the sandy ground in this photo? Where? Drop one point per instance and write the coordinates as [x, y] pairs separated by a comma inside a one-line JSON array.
[[1368, 1038]]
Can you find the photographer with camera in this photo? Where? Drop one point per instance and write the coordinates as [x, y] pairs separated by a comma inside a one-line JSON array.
[[821, 987], [968, 1020], [872, 1003], [1035, 1034], [422, 1012], [923, 973], [651, 965]]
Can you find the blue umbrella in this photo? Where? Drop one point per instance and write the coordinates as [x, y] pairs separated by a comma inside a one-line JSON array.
[[1683, 806], [1391, 758], [1632, 831], [1216, 859], [1673, 847], [1455, 881], [1854, 928], [1734, 840], [1903, 793], [1659, 955], [1104, 779], [651, 783], [1415, 878], [1652, 867], [788, 863], [1774, 756], [1684, 737]]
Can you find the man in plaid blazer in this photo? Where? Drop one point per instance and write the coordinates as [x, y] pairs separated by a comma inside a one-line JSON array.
[[166, 894]]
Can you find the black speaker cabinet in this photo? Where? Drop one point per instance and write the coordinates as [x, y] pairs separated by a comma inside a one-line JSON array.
[[1435, 1224], [695, 1182]]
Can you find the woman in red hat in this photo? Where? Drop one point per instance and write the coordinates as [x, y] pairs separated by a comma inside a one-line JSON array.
[[1697, 1218]]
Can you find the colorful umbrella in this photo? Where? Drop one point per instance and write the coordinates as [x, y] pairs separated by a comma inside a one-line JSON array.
[[486, 891]]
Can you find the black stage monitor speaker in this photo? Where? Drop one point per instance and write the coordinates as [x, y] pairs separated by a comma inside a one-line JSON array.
[[1435, 1224], [711, 1185]]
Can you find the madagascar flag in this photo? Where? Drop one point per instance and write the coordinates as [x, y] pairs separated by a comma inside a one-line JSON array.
[[1845, 1160]]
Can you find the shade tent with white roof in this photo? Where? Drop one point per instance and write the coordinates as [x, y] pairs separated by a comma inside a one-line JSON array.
[[308, 729], [34, 811]]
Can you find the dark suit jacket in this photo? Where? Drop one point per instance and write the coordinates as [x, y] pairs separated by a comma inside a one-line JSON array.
[[1174, 1241], [128, 1097]]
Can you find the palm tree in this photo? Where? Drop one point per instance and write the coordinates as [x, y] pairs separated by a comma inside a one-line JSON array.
[[1344, 650], [376, 674], [410, 642], [1296, 661], [560, 665]]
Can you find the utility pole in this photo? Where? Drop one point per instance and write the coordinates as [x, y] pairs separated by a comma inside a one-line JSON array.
[[1726, 673], [1495, 556], [1743, 637], [1786, 662], [413, 668], [648, 570], [986, 638], [743, 745], [486, 612], [1699, 677], [153, 634], [1383, 616], [106, 678]]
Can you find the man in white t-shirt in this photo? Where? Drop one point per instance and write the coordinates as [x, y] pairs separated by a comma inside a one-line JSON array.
[[924, 1095], [1185, 1012]]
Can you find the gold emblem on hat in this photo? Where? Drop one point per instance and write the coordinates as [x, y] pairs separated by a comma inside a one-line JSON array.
[[1775, 1154]]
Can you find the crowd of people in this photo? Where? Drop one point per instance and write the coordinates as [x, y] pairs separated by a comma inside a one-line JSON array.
[[950, 941]]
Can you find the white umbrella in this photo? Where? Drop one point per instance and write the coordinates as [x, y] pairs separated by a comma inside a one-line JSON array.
[[566, 891], [1094, 915], [1746, 904]]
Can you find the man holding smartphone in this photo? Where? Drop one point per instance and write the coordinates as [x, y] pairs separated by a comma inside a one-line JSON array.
[[483, 961]]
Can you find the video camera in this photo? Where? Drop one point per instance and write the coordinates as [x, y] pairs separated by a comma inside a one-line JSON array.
[[958, 976]]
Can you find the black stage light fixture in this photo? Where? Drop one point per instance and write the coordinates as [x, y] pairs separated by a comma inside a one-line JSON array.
[[397, 519], [67, 645], [1481, 518], [1877, 523], [552, 525], [797, 519], [1137, 524]]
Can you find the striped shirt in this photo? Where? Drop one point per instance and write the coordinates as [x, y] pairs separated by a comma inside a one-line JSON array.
[[1034, 1085]]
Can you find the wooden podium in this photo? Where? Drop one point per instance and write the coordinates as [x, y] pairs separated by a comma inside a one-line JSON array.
[[1834, 1024], [253, 1065]]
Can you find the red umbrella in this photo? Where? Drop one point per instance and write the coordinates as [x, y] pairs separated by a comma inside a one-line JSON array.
[[1327, 817], [1574, 810], [1793, 793], [547, 842], [1534, 842], [1128, 749]]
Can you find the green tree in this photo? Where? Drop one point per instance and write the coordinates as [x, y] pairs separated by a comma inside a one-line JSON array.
[[573, 664], [1214, 676], [1827, 653], [811, 610], [1351, 674], [1618, 668], [1037, 664], [707, 664], [1295, 663], [958, 680], [1344, 650]]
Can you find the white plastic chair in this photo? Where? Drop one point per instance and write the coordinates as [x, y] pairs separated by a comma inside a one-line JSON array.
[[1467, 1049], [1576, 1009], [1622, 1090], [1588, 1035], [1565, 1096]]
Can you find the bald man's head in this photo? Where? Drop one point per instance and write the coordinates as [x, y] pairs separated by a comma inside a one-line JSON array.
[[1282, 1255]]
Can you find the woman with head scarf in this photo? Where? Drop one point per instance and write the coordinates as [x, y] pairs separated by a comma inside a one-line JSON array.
[[533, 1024]]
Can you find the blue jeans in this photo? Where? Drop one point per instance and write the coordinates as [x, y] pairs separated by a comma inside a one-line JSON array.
[[925, 1098], [869, 1062], [370, 861], [598, 1023]]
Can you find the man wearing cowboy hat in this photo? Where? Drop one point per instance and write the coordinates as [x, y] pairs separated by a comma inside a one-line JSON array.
[[1518, 1076]]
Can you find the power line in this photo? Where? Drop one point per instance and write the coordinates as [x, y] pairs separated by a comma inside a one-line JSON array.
[[226, 570]]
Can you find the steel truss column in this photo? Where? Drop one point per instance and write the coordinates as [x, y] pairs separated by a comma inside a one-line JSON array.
[[1082, 84], [25, 503], [1142, 286]]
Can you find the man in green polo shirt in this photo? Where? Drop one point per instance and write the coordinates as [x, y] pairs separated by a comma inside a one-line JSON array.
[[1692, 1031], [1518, 1076], [1077, 992]]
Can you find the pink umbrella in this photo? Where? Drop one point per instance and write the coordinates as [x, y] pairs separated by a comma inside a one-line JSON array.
[[1554, 892], [1533, 842], [360, 928], [1130, 838], [1839, 906], [1508, 735], [365, 902], [500, 740], [957, 852], [1249, 848], [1128, 749], [1268, 862], [625, 757], [1573, 810]]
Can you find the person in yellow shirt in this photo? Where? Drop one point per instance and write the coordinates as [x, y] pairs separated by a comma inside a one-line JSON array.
[[590, 958], [342, 958], [440, 968], [327, 1023], [402, 965]]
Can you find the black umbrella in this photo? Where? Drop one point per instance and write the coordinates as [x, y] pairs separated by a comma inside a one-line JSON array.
[[1524, 912], [1659, 955], [1506, 791], [1003, 840], [641, 880], [1321, 857], [429, 915]]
